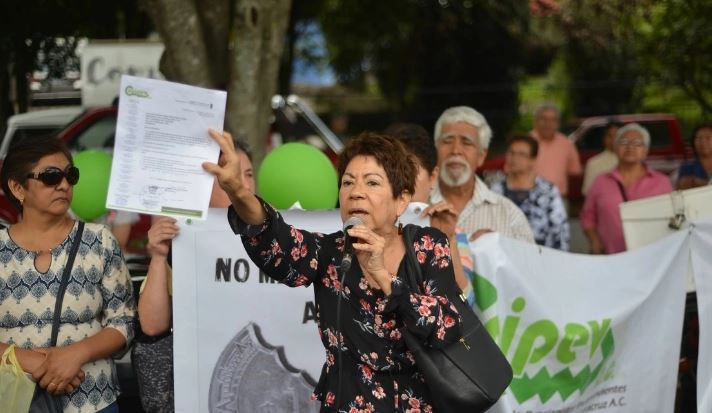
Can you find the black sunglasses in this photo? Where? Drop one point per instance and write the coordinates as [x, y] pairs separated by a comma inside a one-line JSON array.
[[52, 176]]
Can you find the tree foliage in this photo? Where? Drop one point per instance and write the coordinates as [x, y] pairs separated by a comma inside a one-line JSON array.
[[614, 47], [427, 55], [677, 46], [600, 47]]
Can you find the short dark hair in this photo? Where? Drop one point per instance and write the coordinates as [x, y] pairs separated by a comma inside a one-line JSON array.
[[416, 140], [400, 166], [22, 156], [521, 137], [242, 146], [699, 127]]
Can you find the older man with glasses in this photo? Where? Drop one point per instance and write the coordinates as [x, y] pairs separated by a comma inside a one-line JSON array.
[[632, 179]]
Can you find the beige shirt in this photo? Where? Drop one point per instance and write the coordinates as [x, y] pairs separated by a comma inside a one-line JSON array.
[[603, 162], [488, 210]]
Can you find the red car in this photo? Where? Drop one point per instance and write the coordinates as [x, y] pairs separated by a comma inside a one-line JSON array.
[[667, 146]]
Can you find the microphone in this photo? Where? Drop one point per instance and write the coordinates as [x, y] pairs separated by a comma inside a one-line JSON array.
[[348, 244]]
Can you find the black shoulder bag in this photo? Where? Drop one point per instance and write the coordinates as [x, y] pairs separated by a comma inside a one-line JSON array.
[[468, 375], [42, 400]]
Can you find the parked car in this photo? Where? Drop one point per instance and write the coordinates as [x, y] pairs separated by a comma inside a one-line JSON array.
[[37, 123], [667, 146]]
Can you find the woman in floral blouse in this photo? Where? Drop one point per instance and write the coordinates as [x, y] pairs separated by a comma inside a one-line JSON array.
[[538, 198], [368, 367], [97, 318]]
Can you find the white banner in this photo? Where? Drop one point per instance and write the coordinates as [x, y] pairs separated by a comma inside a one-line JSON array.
[[702, 268], [585, 333], [242, 342]]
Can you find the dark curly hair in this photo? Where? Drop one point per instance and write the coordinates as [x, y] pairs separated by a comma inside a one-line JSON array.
[[400, 166], [22, 156]]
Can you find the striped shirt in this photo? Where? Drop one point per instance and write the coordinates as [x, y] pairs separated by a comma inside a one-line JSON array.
[[487, 210]]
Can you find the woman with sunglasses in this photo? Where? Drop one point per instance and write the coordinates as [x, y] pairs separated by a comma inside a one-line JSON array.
[[98, 309]]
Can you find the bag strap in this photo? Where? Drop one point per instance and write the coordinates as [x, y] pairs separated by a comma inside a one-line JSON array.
[[414, 272], [620, 186], [64, 282]]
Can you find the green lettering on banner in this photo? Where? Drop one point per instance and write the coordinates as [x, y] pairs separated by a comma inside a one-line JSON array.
[[510, 324], [543, 332], [575, 335], [544, 338]]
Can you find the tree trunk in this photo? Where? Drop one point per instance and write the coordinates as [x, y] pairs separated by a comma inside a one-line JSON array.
[[185, 58], [256, 44], [228, 44]]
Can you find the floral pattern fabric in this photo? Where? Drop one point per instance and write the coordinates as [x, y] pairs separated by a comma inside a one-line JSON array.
[[378, 373], [544, 210], [99, 295]]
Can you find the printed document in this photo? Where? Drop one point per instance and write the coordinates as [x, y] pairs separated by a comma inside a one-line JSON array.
[[161, 142]]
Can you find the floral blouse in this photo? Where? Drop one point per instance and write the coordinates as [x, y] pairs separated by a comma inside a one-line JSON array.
[[99, 295], [379, 373], [544, 209]]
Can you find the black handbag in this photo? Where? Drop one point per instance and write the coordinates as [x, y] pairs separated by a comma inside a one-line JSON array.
[[468, 375], [42, 400]]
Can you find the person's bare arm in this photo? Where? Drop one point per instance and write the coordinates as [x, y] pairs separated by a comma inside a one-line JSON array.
[[596, 246], [154, 304], [29, 360], [121, 233], [62, 365]]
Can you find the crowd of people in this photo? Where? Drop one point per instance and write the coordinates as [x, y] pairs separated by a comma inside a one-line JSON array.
[[379, 174]]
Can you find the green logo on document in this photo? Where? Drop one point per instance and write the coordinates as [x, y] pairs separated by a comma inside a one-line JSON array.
[[132, 91]]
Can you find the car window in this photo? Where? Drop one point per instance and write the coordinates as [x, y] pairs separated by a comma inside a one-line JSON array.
[[22, 134], [659, 133], [98, 135], [592, 139], [25, 133]]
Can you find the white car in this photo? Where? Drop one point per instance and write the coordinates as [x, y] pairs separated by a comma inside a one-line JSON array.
[[37, 123]]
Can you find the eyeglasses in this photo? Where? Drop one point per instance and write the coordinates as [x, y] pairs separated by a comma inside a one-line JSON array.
[[52, 176], [517, 154], [634, 143]]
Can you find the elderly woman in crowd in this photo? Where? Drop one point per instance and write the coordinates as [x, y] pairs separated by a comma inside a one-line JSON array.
[[97, 318], [630, 180], [368, 366], [538, 198], [699, 171]]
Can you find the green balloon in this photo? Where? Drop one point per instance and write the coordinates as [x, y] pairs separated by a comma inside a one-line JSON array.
[[89, 199], [298, 172]]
